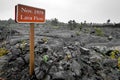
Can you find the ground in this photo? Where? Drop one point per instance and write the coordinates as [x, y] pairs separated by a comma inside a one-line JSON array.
[[81, 51]]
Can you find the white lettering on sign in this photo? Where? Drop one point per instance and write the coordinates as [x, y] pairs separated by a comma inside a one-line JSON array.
[[37, 18], [38, 12], [25, 17], [26, 10]]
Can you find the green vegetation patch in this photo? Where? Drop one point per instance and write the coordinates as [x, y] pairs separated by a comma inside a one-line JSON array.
[[99, 32], [3, 51], [55, 27], [114, 54], [77, 33]]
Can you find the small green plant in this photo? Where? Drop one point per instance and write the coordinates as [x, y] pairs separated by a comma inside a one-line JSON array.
[[72, 24], [23, 44], [45, 39], [114, 54], [80, 27], [3, 51], [45, 58], [77, 33], [119, 63], [55, 27], [99, 32], [86, 30]]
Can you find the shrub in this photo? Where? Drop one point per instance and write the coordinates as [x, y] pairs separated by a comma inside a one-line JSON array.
[[54, 22], [99, 32], [119, 63], [114, 54], [86, 30], [80, 27], [77, 33], [45, 39], [3, 51], [23, 44], [72, 24], [55, 27]]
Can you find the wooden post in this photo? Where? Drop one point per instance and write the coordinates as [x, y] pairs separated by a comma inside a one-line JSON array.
[[31, 49]]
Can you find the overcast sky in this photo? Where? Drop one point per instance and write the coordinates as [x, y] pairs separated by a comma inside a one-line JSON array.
[[64, 10]]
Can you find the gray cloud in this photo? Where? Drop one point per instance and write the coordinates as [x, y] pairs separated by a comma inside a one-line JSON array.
[[64, 10]]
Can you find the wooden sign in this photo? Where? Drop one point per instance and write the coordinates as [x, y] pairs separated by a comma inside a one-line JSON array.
[[27, 14]]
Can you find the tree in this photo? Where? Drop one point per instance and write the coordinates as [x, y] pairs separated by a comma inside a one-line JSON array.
[[85, 22], [54, 21], [108, 21], [72, 24]]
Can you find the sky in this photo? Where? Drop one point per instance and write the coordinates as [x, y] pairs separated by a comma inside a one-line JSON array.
[[97, 11]]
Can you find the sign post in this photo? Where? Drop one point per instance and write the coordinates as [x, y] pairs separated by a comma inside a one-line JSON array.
[[31, 48], [27, 14]]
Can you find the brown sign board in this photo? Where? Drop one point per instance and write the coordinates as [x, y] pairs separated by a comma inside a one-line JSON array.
[[28, 14]]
